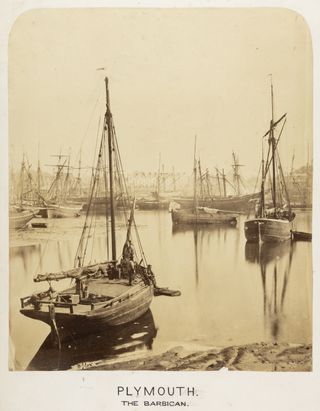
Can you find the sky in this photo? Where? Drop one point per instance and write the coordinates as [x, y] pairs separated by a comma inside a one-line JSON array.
[[174, 74]]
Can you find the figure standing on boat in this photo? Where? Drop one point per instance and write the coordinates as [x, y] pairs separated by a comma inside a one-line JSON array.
[[127, 261]]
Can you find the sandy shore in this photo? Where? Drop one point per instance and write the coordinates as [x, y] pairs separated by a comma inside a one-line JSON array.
[[251, 357]]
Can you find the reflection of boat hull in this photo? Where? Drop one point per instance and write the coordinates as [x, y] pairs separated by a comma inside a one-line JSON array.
[[266, 252], [189, 217], [81, 319], [63, 212], [234, 203], [267, 230], [152, 204], [112, 342], [20, 220]]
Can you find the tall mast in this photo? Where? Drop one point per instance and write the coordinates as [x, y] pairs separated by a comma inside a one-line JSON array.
[[262, 205], [108, 122], [201, 181], [218, 178], [224, 183], [236, 175], [273, 146], [195, 199], [21, 180], [38, 172]]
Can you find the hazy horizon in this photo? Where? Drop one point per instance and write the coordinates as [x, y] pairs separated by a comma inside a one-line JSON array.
[[174, 74]]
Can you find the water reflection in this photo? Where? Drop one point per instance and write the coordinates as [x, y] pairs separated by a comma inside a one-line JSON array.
[[227, 287], [202, 237], [25, 255], [112, 343], [220, 229], [275, 262]]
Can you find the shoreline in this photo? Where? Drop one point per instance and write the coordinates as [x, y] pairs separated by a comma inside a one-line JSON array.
[[249, 357]]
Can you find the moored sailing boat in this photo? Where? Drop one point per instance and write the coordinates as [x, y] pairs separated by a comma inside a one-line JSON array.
[[273, 223], [109, 293], [200, 214], [57, 197], [19, 219], [236, 202]]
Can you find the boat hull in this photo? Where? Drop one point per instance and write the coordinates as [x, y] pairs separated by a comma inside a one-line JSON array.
[[63, 212], [189, 217], [20, 220], [152, 205], [267, 230], [232, 203], [97, 319]]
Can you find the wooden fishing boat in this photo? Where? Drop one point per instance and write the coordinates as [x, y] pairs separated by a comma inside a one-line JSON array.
[[272, 224], [61, 211], [18, 220], [235, 203], [110, 293], [200, 214]]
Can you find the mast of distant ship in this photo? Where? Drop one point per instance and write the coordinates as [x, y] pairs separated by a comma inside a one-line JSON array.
[[273, 146], [110, 150]]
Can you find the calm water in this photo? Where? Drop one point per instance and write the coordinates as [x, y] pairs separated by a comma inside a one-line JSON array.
[[232, 292]]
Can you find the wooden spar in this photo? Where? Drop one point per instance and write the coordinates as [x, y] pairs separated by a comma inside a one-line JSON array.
[[284, 183], [274, 125], [262, 205], [38, 172], [76, 272], [236, 175], [106, 189], [273, 148], [208, 183], [200, 178], [224, 183], [73, 273], [195, 198], [56, 180], [218, 178], [110, 150]]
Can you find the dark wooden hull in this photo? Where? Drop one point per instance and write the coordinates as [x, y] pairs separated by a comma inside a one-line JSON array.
[[189, 217], [267, 230], [20, 220], [97, 319], [63, 211], [152, 205], [234, 203], [301, 236]]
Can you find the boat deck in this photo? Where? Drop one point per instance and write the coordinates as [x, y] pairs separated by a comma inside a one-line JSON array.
[[107, 287]]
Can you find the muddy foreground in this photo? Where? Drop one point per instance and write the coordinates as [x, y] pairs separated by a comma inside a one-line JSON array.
[[252, 357]]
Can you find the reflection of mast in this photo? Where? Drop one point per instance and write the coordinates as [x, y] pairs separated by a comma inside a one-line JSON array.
[[275, 269], [274, 283], [196, 255]]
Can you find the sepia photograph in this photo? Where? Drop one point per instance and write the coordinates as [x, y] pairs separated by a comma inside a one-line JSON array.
[[160, 190]]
